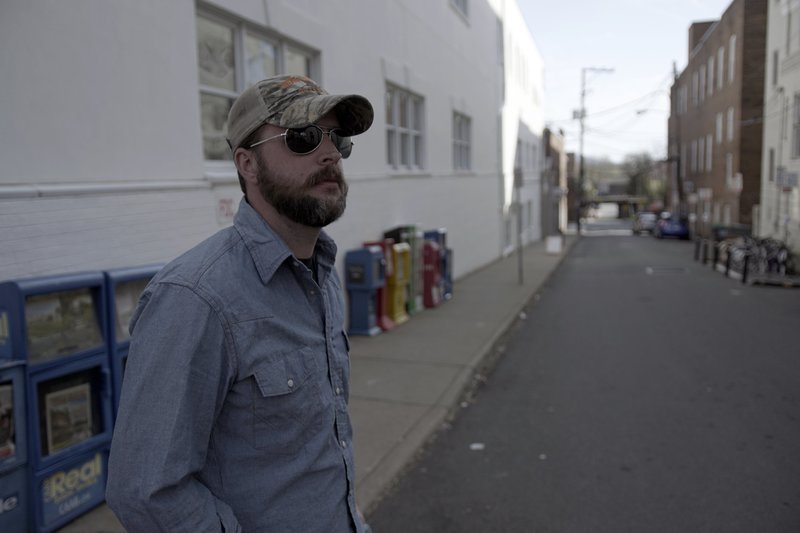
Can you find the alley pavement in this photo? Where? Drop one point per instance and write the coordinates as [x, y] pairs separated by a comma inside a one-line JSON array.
[[405, 383]]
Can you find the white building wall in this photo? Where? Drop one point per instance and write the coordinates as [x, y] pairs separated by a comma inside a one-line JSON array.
[[779, 211], [101, 159]]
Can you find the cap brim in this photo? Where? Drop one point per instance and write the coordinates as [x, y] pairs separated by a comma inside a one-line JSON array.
[[354, 112]]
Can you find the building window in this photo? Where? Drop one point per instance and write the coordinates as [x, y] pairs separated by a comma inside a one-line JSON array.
[[462, 133], [774, 68], [720, 66], [726, 215], [719, 128], [711, 75], [728, 168], [404, 121], [796, 127], [222, 75], [701, 156], [731, 58], [683, 160], [702, 82], [462, 6], [694, 88], [730, 124], [709, 152], [694, 156], [771, 169]]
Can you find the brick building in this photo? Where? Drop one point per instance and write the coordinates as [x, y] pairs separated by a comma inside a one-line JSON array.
[[715, 124]]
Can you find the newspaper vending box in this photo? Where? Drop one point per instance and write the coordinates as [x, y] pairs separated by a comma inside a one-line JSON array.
[[123, 287], [58, 327]]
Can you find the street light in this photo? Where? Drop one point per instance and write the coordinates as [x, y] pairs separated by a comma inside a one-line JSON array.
[[581, 114]]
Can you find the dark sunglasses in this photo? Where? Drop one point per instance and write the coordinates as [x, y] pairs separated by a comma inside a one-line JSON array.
[[303, 141]]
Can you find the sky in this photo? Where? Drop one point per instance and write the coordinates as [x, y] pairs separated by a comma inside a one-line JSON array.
[[641, 40]]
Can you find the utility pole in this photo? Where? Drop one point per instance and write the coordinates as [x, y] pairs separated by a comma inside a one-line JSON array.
[[581, 114]]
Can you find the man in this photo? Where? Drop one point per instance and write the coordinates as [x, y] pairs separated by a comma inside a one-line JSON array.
[[233, 414]]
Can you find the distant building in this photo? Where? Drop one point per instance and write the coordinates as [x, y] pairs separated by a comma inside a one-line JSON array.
[[780, 197], [715, 124], [113, 141], [554, 184]]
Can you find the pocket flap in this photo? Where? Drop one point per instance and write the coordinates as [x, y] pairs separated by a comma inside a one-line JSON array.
[[285, 374]]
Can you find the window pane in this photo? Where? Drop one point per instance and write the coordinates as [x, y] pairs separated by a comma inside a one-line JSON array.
[[297, 63], [418, 150], [214, 114], [403, 110], [391, 156], [215, 54], [417, 114], [404, 147], [259, 60], [390, 104]]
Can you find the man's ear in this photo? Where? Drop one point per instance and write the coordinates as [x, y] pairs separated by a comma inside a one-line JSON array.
[[247, 164]]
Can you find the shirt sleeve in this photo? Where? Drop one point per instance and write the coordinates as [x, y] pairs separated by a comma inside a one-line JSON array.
[[175, 382]]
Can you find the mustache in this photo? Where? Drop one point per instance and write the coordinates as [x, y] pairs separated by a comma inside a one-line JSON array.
[[330, 173]]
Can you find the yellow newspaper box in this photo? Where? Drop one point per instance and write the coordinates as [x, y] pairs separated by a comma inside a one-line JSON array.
[[396, 283]]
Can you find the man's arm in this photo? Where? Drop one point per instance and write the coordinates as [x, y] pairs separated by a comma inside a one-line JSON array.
[[176, 378]]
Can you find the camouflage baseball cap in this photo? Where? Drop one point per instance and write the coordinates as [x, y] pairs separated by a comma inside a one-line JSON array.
[[293, 102]]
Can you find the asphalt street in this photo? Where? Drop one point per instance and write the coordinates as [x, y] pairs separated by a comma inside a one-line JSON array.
[[639, 392]]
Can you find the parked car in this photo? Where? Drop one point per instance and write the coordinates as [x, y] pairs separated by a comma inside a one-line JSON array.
[[671, 226], [645, 221]]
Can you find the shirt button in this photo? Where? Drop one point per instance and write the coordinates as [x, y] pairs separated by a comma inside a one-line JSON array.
[[344, 444], [290, 383], [312, 292], [338, 390]]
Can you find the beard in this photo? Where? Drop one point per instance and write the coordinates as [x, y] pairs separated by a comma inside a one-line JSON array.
[[294, 201]]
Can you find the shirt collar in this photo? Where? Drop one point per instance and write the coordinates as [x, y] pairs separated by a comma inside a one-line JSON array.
[[268, 250]]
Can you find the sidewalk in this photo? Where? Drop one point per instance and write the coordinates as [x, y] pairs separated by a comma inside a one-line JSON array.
[[405, 382]]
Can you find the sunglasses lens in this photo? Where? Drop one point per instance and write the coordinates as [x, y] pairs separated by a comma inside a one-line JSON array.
[[343, 144], [306, 140], [303, 140]]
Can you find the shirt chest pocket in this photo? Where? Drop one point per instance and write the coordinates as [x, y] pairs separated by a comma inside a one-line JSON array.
[[286, 402]]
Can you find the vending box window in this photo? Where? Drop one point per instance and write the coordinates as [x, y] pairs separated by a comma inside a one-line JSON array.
[[13, 449]]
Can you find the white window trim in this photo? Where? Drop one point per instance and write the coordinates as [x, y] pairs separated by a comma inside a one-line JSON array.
[[732, 58], [218, 167], [393, 159], [462, 146]]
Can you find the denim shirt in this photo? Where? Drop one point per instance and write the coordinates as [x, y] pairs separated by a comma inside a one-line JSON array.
[[233, 413]]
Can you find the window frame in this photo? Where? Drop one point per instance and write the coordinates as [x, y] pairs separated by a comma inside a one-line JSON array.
[[796, 127], [241, 30], [395, 131], [462, 142]]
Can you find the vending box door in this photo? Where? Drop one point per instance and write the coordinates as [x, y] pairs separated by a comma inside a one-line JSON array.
[[54, 319], [67, 490], [14, 501], [13, 424], [124, 287], [69, 410]]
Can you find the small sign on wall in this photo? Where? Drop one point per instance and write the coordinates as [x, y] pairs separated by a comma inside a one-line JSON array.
[[226, 209]]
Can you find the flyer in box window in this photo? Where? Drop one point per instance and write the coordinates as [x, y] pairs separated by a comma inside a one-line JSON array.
[[69, 416], [7, 437]]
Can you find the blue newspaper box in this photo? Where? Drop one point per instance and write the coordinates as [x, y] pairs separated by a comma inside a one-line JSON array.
[[365, 273], [13, 447], [124, 287], [58, 326]]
